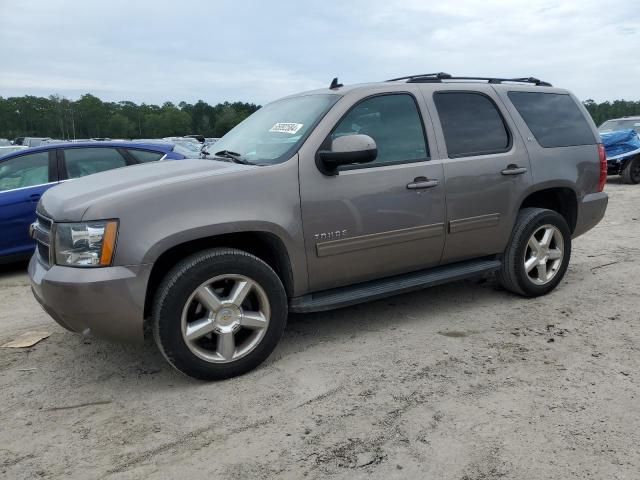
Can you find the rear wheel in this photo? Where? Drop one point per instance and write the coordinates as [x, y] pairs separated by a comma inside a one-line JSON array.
[[538, 253], [631, 172], [219, 313]]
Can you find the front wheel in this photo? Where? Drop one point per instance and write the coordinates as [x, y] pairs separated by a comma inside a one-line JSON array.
[[538, 253], [631, 172], [219, 314]]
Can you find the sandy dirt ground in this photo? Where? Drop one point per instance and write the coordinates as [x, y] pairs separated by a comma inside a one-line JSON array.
[[462, 381]]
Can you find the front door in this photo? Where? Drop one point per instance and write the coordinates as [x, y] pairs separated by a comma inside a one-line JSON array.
[[23, 180], [377, 219]]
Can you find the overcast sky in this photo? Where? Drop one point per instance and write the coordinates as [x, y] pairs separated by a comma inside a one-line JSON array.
[[154, 51]]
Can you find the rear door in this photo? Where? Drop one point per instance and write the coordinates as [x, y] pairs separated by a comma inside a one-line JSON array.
[[486, 168], [23, 180]]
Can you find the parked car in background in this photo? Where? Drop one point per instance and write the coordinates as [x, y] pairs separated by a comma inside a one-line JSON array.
[[4, 142], [6, 150], [34, 141], [621, 139], [18, 140], [25, 175], [319, 201]]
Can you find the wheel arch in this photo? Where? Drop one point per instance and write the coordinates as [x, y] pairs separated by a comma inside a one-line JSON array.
[[264, 245], [562, 199]]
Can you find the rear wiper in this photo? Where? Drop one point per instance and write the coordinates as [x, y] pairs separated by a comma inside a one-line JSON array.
[[233, 156]]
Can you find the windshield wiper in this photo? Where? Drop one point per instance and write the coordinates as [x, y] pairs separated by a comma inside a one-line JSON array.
[[233, 156]]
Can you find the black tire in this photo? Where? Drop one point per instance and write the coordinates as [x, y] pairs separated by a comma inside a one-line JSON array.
[[177, 287], [512, 275], [631, 172]]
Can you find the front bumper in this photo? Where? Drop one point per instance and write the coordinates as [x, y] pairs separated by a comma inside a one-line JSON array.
[[590, 211], [108, 301]]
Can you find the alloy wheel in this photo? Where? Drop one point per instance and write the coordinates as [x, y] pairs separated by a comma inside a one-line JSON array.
[[543, 254], [225, 318]]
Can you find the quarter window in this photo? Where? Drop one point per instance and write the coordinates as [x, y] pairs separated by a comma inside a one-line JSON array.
[[144, 156], [85, 161], [24, 171], [471, 124], [393, 122], [553, 118]]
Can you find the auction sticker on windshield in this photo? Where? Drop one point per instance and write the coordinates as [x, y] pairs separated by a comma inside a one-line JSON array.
[[290, 128]]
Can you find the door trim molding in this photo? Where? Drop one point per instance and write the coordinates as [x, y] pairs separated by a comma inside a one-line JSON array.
[[374, 240], [474, 223]]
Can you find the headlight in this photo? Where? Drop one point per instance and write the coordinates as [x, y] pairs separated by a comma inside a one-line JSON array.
[[89, 244]]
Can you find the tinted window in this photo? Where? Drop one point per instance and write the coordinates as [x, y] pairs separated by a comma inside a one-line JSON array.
[[471, 123], [554, 119], [24, 171], [85, 161], [393, 122], [144, 156]]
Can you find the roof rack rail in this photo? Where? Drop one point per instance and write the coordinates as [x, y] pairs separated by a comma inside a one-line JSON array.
[[439, 77], [434, 76]]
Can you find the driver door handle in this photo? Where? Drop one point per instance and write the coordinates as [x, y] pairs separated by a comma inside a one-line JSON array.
[[422, 182], [513, 169]]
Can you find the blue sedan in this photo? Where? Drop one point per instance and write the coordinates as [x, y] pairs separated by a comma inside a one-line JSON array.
[[27, 174]]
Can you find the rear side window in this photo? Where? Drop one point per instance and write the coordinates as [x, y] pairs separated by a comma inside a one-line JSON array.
[[553, 118], [471, 124], [144, 156], [85, 161]]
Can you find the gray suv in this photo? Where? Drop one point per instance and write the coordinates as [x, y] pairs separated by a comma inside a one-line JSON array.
[[318, 201]]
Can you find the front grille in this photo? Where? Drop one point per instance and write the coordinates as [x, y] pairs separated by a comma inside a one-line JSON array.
[[44, 221], [43, 251], [42, 235]]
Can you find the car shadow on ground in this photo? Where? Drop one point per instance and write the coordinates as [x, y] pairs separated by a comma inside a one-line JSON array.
[[78, 361], [13, 268]]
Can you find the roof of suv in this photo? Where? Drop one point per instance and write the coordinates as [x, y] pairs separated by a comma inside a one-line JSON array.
[[436, 79]]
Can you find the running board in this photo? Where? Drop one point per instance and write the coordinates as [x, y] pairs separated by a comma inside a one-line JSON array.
[[375, 289]]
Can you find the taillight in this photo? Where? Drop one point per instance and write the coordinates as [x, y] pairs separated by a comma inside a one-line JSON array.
[[603, 167]]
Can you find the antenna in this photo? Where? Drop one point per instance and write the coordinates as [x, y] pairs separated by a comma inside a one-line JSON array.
[[335, 84]]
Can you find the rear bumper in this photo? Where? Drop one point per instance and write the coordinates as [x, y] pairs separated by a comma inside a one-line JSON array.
[[107, 301], [590, 211]]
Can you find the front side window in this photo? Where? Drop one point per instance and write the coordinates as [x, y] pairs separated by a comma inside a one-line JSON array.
[[24, 171], [553, 118], [275, 132], [393, 122], [471, 124], [81, 162]]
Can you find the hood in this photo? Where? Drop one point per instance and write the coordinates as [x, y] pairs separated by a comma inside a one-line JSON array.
[[68, 201]]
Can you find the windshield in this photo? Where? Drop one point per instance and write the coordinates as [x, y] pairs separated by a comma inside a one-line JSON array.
[[275, 132], [613, 125]]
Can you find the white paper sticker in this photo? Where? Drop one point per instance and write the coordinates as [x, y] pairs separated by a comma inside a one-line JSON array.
[[636, 124], [290, 128]]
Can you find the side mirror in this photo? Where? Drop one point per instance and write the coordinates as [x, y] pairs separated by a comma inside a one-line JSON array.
[[346, 150]]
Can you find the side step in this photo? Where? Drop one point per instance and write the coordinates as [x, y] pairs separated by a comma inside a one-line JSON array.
[[375, 289]]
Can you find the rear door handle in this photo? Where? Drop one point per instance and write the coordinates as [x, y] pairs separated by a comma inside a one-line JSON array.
[[35, 197], [513, 170], [422, 182]]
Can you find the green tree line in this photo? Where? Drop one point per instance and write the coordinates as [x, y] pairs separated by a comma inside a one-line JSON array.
[[606, 110], [90, 117]]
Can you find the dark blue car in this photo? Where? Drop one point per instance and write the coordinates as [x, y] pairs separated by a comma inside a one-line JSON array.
[[27, 174]]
